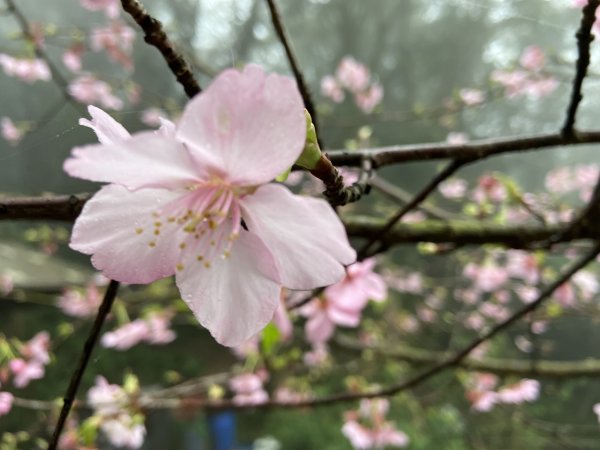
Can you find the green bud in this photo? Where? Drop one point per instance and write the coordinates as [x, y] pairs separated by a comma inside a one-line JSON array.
[[312, 153]]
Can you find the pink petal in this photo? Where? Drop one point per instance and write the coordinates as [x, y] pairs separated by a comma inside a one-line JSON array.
[[108, 130], [144, 160], [305, 236], [236, 296], [117, 226], [247, 125], [319, 328], [345, 317]]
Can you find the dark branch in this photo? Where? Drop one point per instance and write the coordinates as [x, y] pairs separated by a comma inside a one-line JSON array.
[[60, 207], [88, 347], [155, 35], [584, 39], [291, 56], [476, 150]]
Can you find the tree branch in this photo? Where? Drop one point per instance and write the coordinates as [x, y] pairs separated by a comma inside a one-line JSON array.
[[295, 66], [584, 39], [475, 150], [88, 347], [155, 36]]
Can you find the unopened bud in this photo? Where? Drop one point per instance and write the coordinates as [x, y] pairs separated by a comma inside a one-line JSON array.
[[312, 152]]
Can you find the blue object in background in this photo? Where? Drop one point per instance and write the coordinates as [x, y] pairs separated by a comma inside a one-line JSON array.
[[222, 426]]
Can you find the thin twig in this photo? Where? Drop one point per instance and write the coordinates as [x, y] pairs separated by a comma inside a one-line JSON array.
[[88, 347], [155, 35], [584, 39], [417, 199], [291, 56], [401, 196]]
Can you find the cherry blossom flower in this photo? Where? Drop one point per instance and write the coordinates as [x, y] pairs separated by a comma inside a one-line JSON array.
[[352, 75], [248, 389], [25, 371], [88, 89], [178, 198], [153, 117], [454, 188], [487, 278], [153, 330], [457, 138], [471, 97], [77, 304], [482, 401], [559, 180], [533, 58], [111, 8], [523, 265], [359, 286], [331, 89], [489, 188], [343, 302], [317, 356], [6, 401], [111, 404], [565, 295], [117, 40], [28, 70], [526, 390], [10, 132], [72, 57], [124, 432], [370, 98], [368, 429]]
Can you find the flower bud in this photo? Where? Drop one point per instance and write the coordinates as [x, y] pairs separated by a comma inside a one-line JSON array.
[[312, 153]]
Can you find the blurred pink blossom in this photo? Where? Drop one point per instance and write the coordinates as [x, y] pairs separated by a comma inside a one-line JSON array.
[[368, 429], [331, 89], [71, 58], [248, 389], [523, 265], [533, 58], [586, 175], [6, 401], [596, 409], [526, 390], [489, 188], [123, 431], [28, 70], [487, 278], [25, 371], [10, 132], [565, 295], [587, 283], [471, 97], [527, 294], [482, 401], [77, 304], [352, 74], [316, 356], [153, 117], [559, 180], [154, 329], [370, 98], [457, 138], [88, 89], [111, 8], [454, 188], [110, 403], [117, 40], [360, 285], [7, 284]]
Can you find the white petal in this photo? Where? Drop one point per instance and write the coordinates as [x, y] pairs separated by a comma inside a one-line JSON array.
[[117, 227], [236, 296], [246, 125], [305, 236], [144, 160]]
